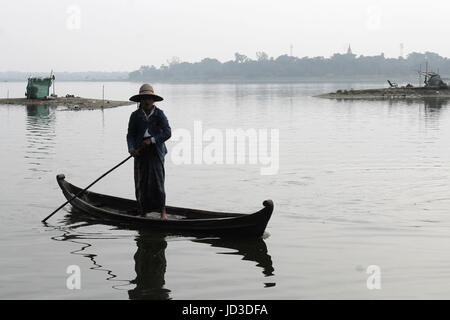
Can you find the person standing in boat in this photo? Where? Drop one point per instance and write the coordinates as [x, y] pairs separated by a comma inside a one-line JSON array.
[[148, 129]]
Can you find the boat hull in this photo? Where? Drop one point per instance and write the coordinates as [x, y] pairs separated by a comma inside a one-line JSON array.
[[181, 220]]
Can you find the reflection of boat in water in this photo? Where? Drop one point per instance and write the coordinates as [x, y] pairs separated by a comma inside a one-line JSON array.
[[150, 261], [251, 250]]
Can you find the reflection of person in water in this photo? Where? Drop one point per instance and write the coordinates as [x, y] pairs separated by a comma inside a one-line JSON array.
[[150, 266], [250, 249]]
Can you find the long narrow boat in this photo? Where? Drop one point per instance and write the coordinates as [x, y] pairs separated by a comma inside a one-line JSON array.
[[180, 220]]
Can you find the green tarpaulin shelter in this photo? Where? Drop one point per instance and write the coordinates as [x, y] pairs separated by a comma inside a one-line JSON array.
[[38, 88]]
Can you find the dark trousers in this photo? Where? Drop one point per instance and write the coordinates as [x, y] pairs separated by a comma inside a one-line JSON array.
[[149, 178]]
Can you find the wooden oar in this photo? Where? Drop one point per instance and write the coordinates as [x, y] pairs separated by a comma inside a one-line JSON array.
[[82, 191]]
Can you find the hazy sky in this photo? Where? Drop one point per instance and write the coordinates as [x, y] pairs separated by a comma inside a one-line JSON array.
[[122, 35]]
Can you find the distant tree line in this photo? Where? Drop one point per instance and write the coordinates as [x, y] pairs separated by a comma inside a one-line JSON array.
[[290, 67]]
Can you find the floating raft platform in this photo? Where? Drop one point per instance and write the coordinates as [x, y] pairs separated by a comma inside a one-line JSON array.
[[72, 103]]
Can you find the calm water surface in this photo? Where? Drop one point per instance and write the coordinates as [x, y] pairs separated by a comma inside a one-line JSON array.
[[359, 184]]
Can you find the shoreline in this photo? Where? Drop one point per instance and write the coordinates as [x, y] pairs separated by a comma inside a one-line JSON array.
[[73, 103], [416, 93]]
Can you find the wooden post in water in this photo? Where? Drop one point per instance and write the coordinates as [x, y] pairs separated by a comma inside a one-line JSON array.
[[420, 75], [103, 96], [52, 77]]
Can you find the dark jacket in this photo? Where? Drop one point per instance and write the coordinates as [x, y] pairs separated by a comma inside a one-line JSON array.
[[158, 127]]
